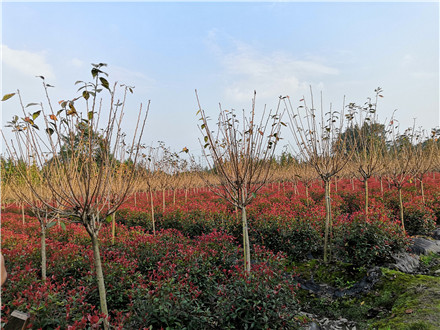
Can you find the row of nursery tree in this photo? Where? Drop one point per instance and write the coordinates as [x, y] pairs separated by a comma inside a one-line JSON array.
[[70, 160]]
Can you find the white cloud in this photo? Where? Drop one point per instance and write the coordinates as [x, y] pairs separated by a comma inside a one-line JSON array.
[[76, 63], [27, 63], [131, 78], [272, 74]]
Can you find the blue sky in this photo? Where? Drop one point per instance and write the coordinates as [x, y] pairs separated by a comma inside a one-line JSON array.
[[225, 51]]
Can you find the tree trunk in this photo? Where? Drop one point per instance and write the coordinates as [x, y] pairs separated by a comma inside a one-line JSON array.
[[22, 212], [401, 207], [246, 245], [152, 213], [135, 199], [381, 187], [307, 194], [366, 195], [423, 190], [327, 221], [100, 279], [163, 200], [186, 195], [174, 197], [43, 251], [113, 228]]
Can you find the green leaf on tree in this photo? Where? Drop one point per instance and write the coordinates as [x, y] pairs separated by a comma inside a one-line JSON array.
[[95, 72], [86, 95], [63, 225], [50, 225], [72, 110], [36, 114], [7, 96], [104, 83]]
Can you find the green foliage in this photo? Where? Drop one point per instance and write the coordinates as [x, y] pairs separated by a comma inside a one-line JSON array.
[[7, 96], [259, 301], [368, 240], [298, 238], [416, 304], [419, 219], [370, 137]]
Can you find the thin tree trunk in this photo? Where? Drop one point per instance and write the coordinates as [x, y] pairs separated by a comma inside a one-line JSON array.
[[100, 279], [152, 213], [423, 190], [186, 195], [43, 251], [327, 221], [22, 213], [135, 199], [381, 186], [307, 195], [336, 184], [113, 228], [352, 184], [366, 195], [174, 197], [163, 200], [246, 245], [401, 207]]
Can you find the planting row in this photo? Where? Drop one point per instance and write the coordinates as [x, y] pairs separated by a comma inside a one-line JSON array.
[[167, 280]]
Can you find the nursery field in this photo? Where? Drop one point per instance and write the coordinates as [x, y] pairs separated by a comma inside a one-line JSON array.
[[188, 273]]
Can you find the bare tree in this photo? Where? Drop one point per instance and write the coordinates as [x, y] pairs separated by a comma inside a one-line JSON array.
[[423, 160], [42, 212], [85, 151], [367, 141], [306, 175], [239, 155], [154, 177], [318, 136], [400, 157]]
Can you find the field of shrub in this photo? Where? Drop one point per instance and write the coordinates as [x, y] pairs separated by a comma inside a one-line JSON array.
[[190, 274]]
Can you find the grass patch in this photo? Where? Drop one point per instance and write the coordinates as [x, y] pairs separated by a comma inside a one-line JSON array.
[[397, 301], [417, 303], [336, 274]]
